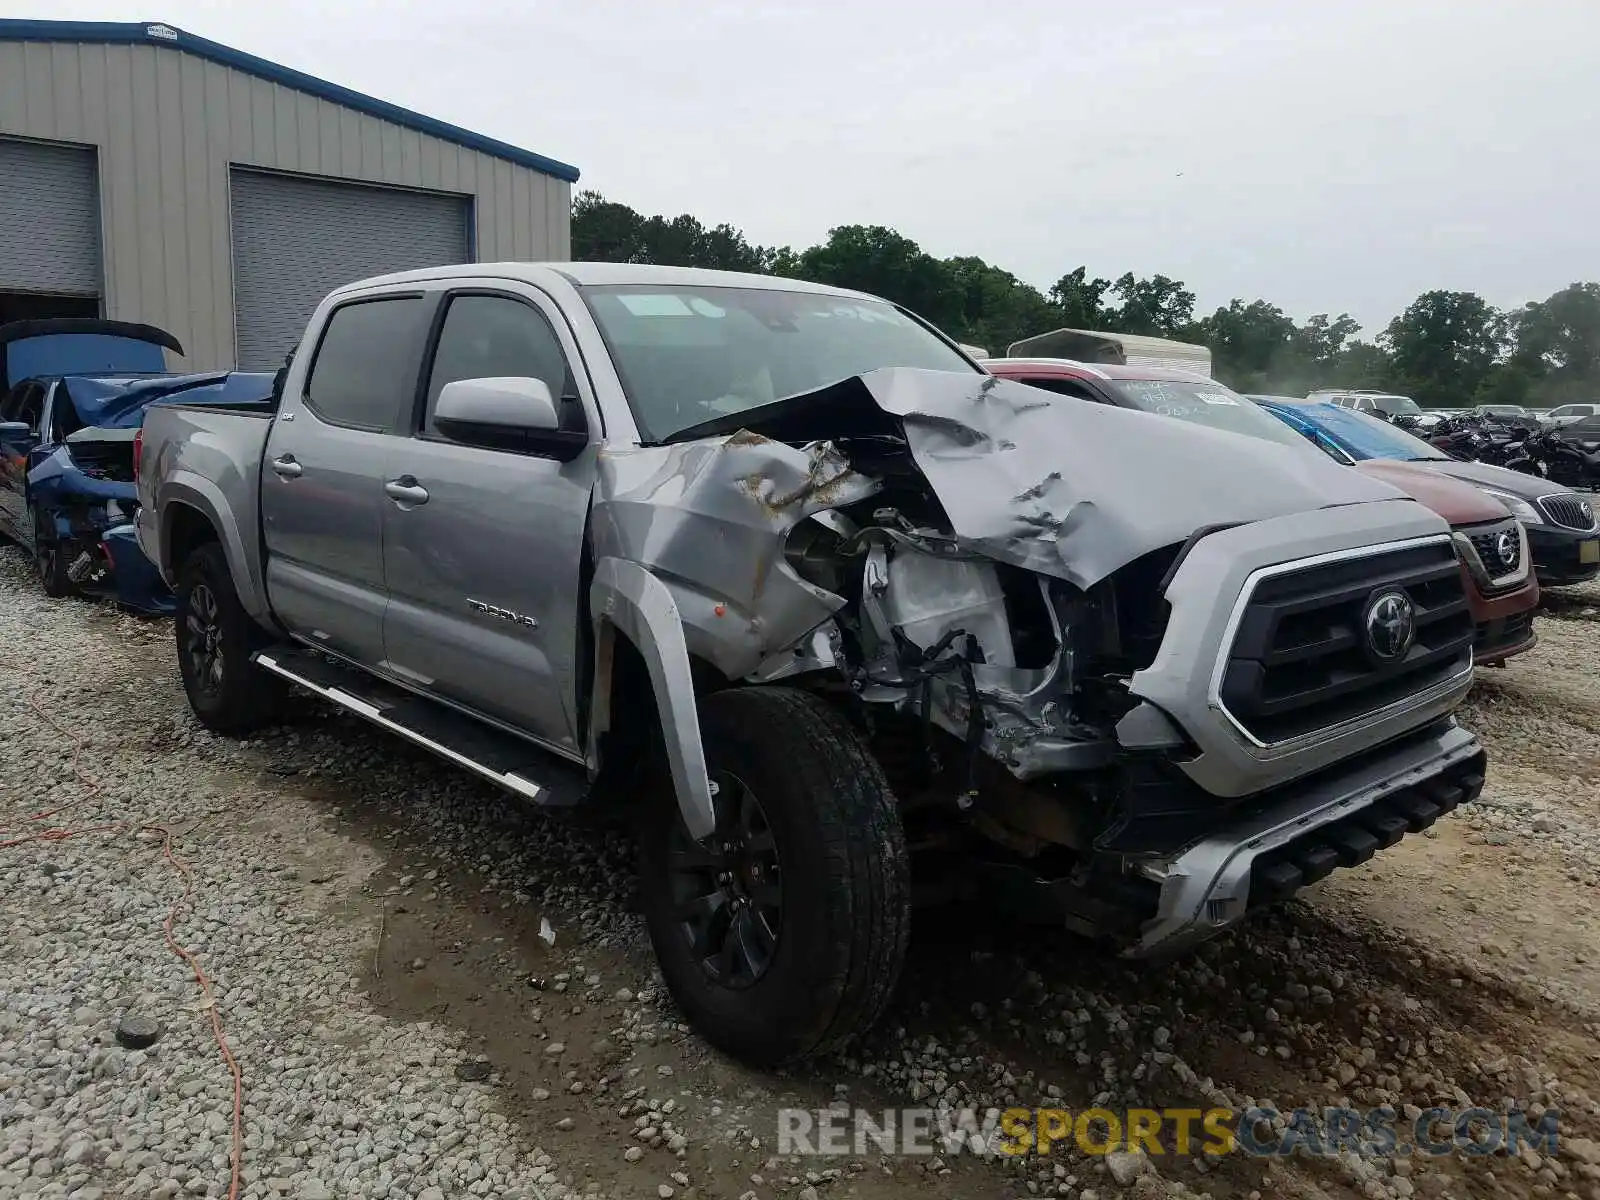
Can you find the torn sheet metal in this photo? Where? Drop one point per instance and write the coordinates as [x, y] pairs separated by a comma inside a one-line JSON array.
[[1061, 486], [138, 584], [709, 518], [56, 481]]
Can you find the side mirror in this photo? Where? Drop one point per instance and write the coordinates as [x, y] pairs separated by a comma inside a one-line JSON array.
[[505, 413], [16, 432]]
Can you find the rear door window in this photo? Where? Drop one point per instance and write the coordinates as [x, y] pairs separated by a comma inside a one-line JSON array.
[[364, 374]]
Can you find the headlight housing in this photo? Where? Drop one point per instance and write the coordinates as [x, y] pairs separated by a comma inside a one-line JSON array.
[[1520, 508]]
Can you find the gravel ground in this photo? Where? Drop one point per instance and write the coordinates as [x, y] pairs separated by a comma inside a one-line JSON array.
[[371, 921]]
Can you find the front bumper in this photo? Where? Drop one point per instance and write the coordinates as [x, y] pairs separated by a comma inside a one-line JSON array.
[[1559, 556], [1337, 818], [1498, 638]]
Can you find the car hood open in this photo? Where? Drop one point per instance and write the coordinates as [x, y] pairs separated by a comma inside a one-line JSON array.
[[1053, 484], [81, 346]]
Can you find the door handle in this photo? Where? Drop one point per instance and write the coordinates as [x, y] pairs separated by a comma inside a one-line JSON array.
[[406, 490], [286, 466]]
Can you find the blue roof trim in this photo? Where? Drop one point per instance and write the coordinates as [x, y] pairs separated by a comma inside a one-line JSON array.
[[157, 33]]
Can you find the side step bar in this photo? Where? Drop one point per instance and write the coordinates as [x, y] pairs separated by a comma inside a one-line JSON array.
[[502, 758]]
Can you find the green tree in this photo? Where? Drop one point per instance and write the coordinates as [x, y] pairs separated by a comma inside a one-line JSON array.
[[1320, 340], [1358, 365], [1556, 344], [1249, 343], [1446, 348], [604, 231], [876, 259], [1157, 306], [997, 308], [1080, 301], [1444, 345]]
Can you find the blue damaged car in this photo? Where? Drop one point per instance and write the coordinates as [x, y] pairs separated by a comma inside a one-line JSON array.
[[73, 394]]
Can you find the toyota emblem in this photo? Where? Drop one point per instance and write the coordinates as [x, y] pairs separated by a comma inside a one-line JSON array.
[[1506, 547], [1390, 622]]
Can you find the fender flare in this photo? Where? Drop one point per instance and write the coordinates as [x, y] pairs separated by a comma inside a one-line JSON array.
[[625, 598], [206, 498]]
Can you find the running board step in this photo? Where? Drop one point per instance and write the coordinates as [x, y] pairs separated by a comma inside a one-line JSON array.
[[503, 758]]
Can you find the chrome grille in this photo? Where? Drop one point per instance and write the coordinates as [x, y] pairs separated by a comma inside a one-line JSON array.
[[1569, 511], [1301, 660], [1496, 556]]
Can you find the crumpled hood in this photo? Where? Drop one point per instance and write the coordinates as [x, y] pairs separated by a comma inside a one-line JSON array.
[[1056, 485], [119, 403]]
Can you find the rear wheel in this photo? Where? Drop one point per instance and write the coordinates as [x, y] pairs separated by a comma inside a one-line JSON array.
[[783, 935], [49, 560], [216, 638]]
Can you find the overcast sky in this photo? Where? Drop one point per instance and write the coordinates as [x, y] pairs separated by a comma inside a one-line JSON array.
[[1324, 156]]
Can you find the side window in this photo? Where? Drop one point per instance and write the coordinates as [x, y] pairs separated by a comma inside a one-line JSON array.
[[63, 414], [365, 370], [26, 404], [1062, 387], [487, 337]]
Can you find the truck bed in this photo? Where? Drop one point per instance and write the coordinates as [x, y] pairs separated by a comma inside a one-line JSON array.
[[208, 456]]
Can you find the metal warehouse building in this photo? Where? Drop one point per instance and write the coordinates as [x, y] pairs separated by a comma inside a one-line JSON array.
[[150, 175]]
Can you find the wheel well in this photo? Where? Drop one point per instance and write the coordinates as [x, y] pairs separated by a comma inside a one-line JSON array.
[[633, 736], [187, 530]]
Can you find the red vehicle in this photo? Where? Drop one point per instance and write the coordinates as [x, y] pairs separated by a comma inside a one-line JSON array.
[[1490, 543]]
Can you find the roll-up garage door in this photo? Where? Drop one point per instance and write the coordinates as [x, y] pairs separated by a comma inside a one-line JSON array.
[[49, 219], [296, 239]]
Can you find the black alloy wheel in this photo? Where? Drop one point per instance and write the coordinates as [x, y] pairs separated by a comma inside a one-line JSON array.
[[728, 896], [202, 640]]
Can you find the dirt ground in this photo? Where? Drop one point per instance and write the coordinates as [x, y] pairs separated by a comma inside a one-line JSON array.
[[1461, 967]]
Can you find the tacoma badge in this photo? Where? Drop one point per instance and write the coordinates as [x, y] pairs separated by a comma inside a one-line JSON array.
[[505, 614]]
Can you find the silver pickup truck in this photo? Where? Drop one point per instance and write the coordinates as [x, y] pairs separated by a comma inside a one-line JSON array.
[[840, 618]]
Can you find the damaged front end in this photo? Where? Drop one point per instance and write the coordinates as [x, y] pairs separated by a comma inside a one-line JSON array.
[[1000, 586]]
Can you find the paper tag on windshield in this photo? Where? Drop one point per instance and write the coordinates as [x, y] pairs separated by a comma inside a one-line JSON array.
[[654, 304], [1216, 397]]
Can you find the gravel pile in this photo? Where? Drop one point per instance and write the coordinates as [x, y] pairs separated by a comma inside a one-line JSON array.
[[1307, 1006], [339, 1101]]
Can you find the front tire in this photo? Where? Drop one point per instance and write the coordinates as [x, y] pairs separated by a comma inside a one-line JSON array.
[[783, 939], [216, 638], [48, 560]]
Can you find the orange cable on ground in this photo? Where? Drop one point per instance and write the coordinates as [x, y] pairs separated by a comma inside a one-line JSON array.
[[209, 1000]]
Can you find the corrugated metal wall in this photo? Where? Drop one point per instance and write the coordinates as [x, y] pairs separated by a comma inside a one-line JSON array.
[[296, 239], [168, 125]]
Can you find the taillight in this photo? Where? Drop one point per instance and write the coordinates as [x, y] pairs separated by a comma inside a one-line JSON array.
[[138, 452]]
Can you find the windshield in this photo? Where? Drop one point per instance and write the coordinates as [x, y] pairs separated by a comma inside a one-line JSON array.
[[1503, 410], [1397, 406], [692, 354], [1205, 404], [1371, 437]]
